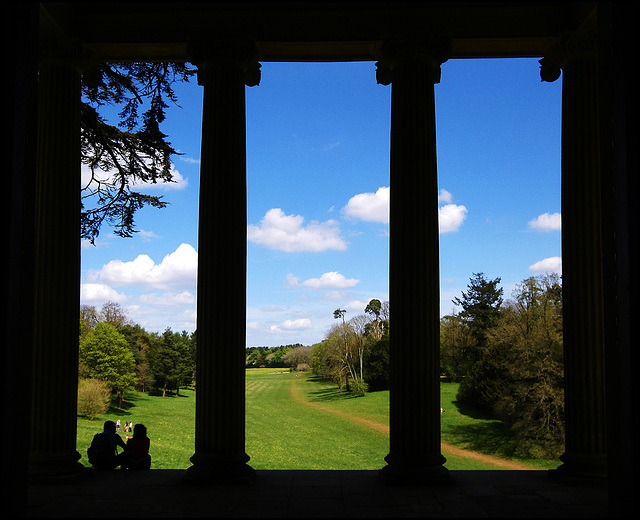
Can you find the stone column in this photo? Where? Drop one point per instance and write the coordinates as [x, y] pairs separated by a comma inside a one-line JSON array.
[[414, 278], [585, 453], [54, 383], [223, 71]]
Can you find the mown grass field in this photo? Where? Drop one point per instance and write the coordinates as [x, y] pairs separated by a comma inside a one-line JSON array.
[[318, 430]]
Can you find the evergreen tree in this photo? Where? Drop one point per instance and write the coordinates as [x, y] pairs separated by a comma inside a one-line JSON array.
[[480, 310], [171, 364], [132, 152]]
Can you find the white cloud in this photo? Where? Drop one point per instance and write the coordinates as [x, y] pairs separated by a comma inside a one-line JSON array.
[[330, 280], [370, 207], [546, 222], [147, 236], [445, 196], [451, 217], [552, 264], [189, 160], [99, 293], [179, 182], [287, 233], [169, 299], [176, 270], [374, 207], [355, 307], [291, 325], [300, 323]]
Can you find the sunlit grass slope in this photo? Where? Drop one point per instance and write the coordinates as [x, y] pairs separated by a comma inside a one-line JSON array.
[[301, 423]]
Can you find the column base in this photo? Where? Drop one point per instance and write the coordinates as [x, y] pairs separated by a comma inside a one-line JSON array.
[[215, 469], [581, 470], [403, 471], [44, 468]]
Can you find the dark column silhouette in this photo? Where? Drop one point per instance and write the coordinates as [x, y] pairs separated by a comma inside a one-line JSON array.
[[54, 377], [223, 70], [414, 281], [585, 455]]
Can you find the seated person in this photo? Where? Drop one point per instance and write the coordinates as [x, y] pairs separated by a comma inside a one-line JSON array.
[[103, 450], [138, 449]]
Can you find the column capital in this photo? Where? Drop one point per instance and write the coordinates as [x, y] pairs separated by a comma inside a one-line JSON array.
[[431, 52], [571, 47], [71, 53], [203, 54]]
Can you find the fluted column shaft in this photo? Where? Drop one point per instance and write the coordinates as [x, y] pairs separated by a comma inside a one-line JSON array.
[[221, 299], [583, 311], [57, 272], [414, 283]]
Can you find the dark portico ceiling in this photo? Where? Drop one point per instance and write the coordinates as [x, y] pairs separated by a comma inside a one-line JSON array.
[[310, 31]]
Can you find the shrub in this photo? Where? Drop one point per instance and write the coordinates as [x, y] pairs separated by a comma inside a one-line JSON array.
[[358, 386], [93, 398]]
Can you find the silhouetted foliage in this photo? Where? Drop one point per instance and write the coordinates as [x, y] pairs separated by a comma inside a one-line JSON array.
[[135, 151]]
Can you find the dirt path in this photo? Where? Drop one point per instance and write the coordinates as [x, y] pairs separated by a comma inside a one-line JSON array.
[[446, 448]]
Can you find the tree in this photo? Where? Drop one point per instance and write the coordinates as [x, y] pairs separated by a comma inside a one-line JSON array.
[[455, 342], [256, 357], [376, 364], [374, 309], [171, 364], [360, 327], [133, 152], [351, 355], [329, 357], [88, 317], [105, 354], [112, 312], [518, 376], [480, 310], [352, 381], [139, 342], [528, 338], [298, 358]]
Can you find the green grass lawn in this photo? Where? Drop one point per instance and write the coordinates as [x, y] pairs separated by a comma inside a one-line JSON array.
[[284, 433]]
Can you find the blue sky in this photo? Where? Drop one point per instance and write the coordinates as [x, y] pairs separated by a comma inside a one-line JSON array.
[[318, 191]]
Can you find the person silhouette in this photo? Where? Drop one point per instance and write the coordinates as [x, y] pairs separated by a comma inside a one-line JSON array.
[[138, 457], [103, 452]]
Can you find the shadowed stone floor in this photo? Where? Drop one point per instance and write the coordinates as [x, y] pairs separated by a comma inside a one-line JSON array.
[[316, 494]]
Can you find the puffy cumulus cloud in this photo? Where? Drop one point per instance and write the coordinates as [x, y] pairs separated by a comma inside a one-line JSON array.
[[176, 270], [99, 293], [451, 217], [288, 233], [370, 207], [552, 264], [374, 207], [299, 324], [546, 222], [291, 325], [330, 280]]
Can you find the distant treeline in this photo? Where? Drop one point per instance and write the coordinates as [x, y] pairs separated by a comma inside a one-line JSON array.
[[295, 356]]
